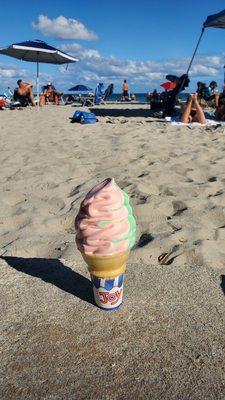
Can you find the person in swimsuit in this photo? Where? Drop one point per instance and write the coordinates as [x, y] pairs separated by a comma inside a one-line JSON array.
[[24, 90], [125, 89], [193, 111], [49, 95], [208, 96]]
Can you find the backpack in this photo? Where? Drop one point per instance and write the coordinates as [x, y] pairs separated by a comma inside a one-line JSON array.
[[84, 117]]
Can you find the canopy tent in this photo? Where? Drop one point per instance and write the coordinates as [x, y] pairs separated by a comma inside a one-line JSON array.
[[215, 20], [212, 21], [37, 51]]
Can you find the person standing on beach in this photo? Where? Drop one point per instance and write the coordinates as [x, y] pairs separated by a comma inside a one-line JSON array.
[[125, 89]]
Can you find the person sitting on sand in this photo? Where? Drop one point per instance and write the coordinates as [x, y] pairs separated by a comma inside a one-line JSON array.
[[201, 88], [220, 113], [155, 103], [108, 91], [24, 92], [193, 111], [209, 96], [49, 95], [80, 98], [221, 98], [89, 101], [69, 99]]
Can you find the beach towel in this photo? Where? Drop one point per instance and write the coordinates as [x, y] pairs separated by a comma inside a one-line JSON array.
[[175, 121], [84, 117]]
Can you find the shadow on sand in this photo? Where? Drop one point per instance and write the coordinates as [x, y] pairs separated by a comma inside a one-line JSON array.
[[120, 112], [222, 283], [55, 272]]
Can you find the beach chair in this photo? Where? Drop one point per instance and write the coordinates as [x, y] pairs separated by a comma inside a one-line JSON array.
[[5, 99], [99, 94], [8, 97], [108, 91], [170, 103]]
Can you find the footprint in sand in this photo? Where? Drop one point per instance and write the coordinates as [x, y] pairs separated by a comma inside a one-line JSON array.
[[165, 191], [75, 190], [140, 198], [179, 207], [124, 184], [145, 173], [218, 193], [198, 176], [144, 239], [212, 179]]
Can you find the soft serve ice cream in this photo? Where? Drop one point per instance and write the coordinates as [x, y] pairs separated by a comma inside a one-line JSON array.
[[105, 228], [105, 223]]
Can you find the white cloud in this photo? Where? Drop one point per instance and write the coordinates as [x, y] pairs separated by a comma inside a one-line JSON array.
[[93, 68], [141, 75], [211, 61], [9, 74], [81, 52], [203, 70], [63, 28]]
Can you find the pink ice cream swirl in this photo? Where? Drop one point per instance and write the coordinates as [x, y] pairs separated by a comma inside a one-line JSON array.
[[105, 222]]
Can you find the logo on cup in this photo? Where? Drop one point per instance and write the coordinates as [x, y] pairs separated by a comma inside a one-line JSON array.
[[109, 297]]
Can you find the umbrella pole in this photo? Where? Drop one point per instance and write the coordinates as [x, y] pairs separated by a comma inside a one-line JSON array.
[[190, 64], [38, 82], [196, 48]]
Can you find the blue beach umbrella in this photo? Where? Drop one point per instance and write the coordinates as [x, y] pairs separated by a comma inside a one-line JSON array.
[[39, 52], [80, 88]]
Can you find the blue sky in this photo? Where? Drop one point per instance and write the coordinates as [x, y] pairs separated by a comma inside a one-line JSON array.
[[140, 41]]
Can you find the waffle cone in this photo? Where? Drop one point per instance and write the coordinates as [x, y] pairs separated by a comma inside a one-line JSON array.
[[108, 266]]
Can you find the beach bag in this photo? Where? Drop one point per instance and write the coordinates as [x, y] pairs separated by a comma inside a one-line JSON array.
[[84, 117], [88, 117]]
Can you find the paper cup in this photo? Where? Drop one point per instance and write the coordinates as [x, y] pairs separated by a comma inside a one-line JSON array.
[[108, 293]]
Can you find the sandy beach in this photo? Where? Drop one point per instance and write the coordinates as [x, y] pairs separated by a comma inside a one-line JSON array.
[[167, 340]]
